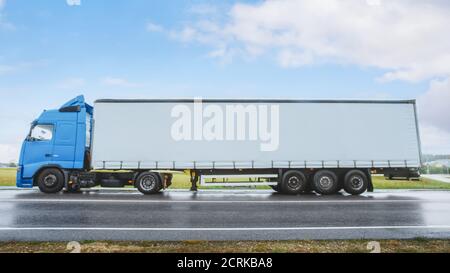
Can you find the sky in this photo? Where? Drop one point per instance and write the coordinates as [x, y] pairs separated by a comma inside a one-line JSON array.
[[54, 50]]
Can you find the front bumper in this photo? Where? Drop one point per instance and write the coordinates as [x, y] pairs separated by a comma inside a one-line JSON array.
[[20, 181]]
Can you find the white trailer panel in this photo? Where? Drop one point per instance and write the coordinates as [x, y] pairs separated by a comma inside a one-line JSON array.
[[136, 134]]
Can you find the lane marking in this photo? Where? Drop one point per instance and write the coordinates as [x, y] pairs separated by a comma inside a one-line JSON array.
[[217, 229], [218, 201]]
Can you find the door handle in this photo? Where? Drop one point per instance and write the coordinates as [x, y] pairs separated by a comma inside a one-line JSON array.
[[50, 155]]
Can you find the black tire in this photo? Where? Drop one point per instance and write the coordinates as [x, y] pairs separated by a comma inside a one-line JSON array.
[[326, 182], [355, 182], [148, 183], [50, 180], [294, 182]]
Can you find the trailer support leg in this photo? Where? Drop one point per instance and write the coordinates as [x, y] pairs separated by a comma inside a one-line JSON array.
[[194, 180]]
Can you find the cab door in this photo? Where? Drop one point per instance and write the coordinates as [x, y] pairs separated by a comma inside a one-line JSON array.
[[38, 148], [65, 144]]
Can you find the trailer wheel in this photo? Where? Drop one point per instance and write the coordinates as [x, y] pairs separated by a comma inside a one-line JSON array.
[[148, 183], [294, 182], [355, 182], [50, 181], [325, 182]]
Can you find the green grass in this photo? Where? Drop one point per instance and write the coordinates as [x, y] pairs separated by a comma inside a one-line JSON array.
[[320, 246], [8, 177], [379, 182], [181, 181]]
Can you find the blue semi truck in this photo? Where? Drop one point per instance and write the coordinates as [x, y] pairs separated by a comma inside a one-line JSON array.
[[59, 141], [314, 145]]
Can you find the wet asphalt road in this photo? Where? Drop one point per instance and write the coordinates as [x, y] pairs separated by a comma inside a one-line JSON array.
[[221, 215]]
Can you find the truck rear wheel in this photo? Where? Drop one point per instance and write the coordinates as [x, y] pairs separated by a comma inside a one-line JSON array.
[[148, 183], [355, 182], [50, 180], [325, 182], [294, 182]]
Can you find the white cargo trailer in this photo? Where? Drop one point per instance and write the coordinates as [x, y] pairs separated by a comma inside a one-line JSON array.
[[293, 146], [267, 137]]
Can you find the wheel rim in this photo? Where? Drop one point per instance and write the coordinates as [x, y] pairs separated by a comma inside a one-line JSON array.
[[356, 182], [148, 183], [50, 180], [293, 182], [326, 182]]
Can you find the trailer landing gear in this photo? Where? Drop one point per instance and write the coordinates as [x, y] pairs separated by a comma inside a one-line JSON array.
[[194, 180]]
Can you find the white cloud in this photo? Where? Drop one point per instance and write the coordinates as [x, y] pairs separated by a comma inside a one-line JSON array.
[[9, 153], [73, 2], [434, 140], [5, 69], [203, 9], [210, 33], [405, 37], [71, 83], [434, 105], [151, 27], [118, 82], [292, 58], [4, 24], [12, 68], [434, 116]]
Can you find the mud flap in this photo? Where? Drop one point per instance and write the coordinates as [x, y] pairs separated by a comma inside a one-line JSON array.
[[370, 186]]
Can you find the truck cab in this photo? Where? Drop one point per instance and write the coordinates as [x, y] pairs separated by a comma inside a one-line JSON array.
[[58, 140]]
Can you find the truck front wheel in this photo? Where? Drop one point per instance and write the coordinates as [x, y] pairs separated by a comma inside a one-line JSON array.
[[50, 180], [326, 182], [148, 183]]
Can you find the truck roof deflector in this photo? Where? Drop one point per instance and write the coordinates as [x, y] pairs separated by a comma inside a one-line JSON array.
[[75, 105]]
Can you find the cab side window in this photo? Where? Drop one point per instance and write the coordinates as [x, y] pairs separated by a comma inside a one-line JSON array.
[[42, 132]]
